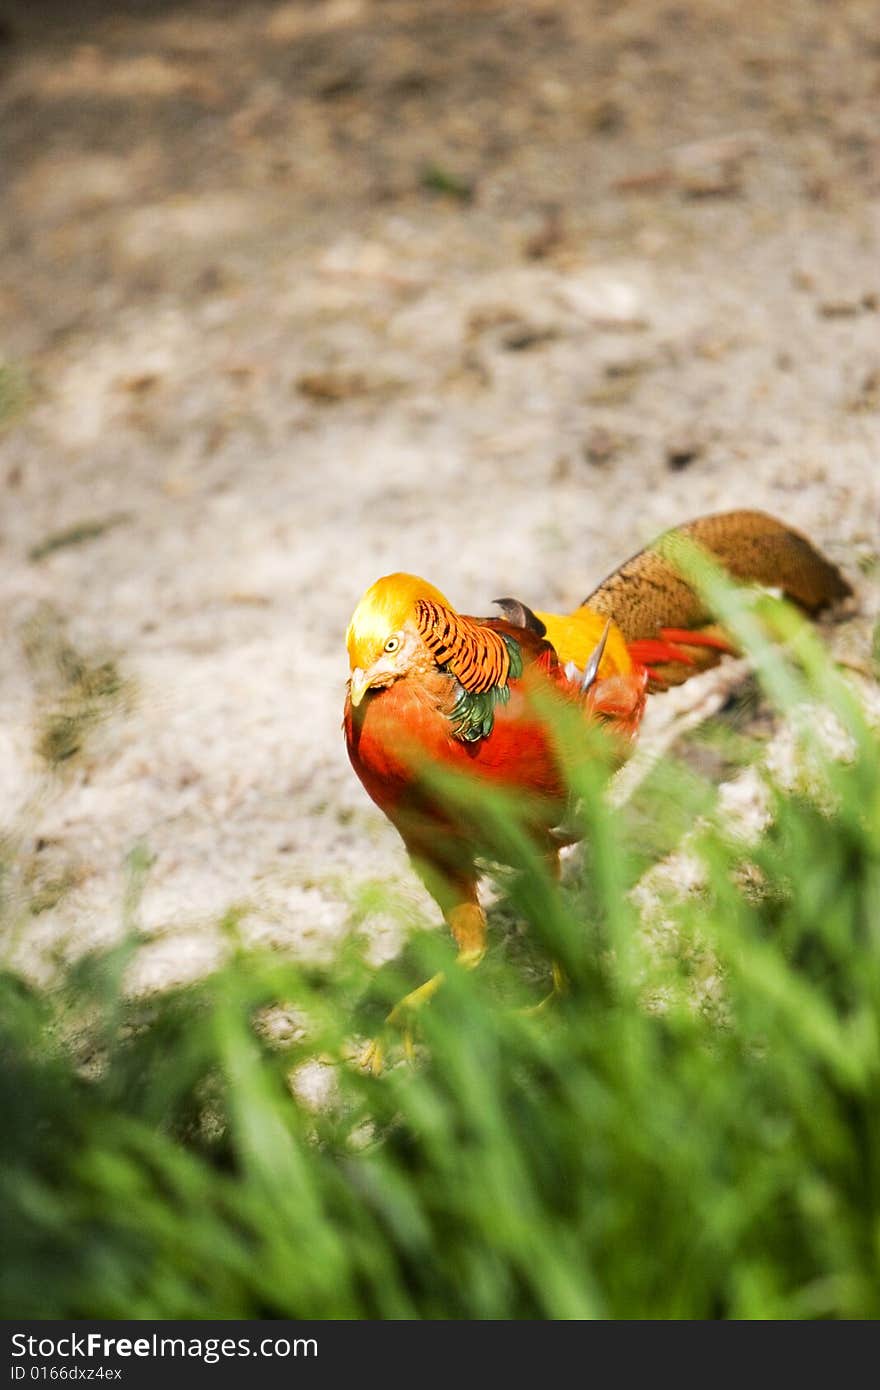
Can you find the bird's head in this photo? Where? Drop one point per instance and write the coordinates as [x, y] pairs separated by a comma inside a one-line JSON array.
[[383, 639]]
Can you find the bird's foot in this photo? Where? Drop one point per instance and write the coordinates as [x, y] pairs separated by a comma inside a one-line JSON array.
[[560, 988], [402, 1017], [372, 1058], [404, 1013]]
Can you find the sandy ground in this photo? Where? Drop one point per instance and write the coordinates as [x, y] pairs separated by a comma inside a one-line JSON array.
[[296, 294]]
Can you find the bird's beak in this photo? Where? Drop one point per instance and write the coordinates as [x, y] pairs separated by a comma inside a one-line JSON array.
[[358, 686]]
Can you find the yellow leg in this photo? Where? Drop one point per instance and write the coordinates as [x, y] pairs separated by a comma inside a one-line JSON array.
[[401, 1016], [467, 922]]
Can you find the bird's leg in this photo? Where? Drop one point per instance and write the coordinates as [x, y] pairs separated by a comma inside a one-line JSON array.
[[467, 922], [560, 981]]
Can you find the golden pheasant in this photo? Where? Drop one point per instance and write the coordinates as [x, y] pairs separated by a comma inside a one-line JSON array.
[[429, 684]]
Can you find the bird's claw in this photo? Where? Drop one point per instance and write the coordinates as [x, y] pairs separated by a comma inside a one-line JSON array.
[[560, 988], [401, 1017], [372, 1058]]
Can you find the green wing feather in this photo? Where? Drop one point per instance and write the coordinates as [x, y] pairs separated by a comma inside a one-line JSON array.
[[473, 714]]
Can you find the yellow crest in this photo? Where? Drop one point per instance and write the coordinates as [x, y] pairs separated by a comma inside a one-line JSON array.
[[384, 609]]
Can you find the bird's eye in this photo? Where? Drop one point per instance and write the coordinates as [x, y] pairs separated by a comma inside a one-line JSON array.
[[392, 644]]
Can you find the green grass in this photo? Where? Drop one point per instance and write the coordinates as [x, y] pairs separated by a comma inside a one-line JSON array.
[[718, 1156]]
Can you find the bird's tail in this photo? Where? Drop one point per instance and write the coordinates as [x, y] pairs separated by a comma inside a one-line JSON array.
[[665, 622]]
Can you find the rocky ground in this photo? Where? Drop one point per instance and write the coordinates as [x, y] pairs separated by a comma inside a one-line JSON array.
[[295, 294]]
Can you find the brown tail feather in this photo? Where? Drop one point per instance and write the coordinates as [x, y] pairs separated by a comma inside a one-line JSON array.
[[646, 593]]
